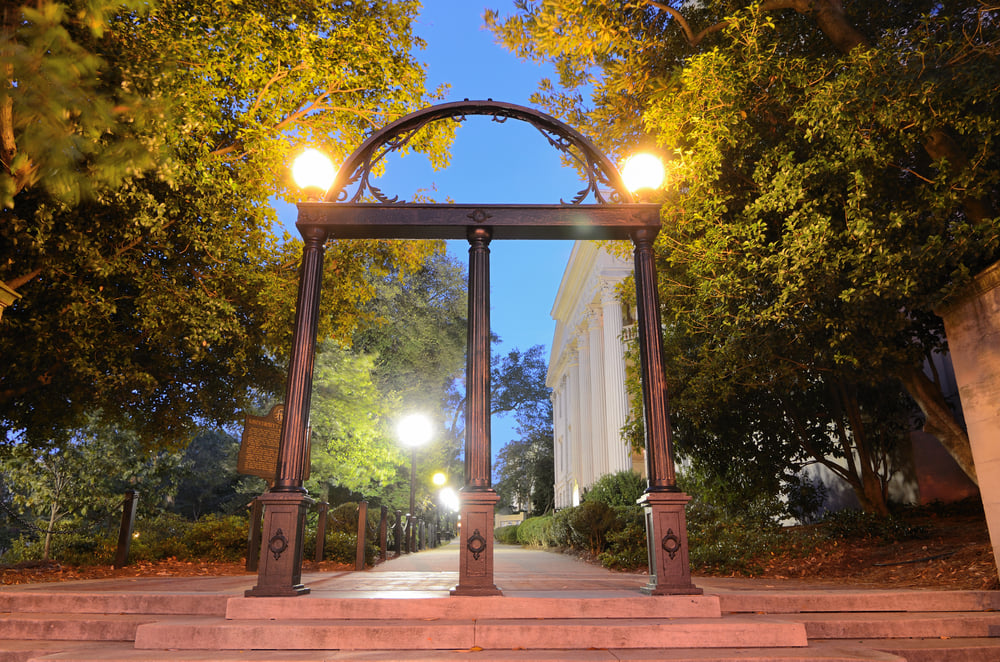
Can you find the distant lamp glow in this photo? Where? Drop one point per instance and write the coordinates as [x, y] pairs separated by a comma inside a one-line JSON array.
[[449, 499], [643, 171], [312, 169], [439, 479]]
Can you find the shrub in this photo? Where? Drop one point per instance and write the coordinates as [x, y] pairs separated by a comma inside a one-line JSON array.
[[536, 531], [589, 525], [560, 533], [506, 535], [67, 548], [626, 543], [619, 489], [214, 538]]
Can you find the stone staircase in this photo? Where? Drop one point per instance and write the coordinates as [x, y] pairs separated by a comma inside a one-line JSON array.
[[737, 626]]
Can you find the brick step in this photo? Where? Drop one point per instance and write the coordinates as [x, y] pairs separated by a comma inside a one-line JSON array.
[[72, 627], [22, 650], [490, 607], [939, 650], [822, 652], [899, 625], [430, 634], [113, 603], [789, 602]]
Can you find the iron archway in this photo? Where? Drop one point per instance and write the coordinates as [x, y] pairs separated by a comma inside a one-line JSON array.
[[368, 213]]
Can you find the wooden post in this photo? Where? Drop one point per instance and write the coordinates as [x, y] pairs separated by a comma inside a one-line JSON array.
[[383, 533], [322, 507], [359, 559], [253, 536], [125, 531], [397, 535]]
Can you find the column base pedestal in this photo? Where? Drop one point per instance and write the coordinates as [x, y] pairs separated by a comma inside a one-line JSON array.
[[475, 570], [667, 544], [279, 574]]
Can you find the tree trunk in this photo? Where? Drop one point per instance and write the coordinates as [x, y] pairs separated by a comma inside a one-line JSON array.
[[940, 421], [53, 512]]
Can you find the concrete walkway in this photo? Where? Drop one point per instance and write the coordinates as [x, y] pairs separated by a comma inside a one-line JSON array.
[[433, 572]]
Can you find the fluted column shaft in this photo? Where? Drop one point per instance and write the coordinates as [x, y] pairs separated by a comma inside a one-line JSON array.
[[477, 409], [659, 437], [298, 390]]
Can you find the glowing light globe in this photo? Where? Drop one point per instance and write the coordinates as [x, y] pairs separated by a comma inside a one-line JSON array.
[[313, 170], [643, 171]]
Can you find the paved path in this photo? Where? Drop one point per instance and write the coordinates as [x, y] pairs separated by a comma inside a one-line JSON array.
[[433, 572]]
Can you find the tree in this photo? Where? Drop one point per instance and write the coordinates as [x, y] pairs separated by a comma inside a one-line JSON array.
[[352, 433], [79, 485], [141, 145], [833, 179], [206, 477], [408, 359], [525, 472]]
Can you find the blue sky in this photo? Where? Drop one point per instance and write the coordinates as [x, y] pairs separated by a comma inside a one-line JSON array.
[[491, 163]]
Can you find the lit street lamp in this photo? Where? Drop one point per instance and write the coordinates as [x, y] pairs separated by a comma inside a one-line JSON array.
[[414, 431], [643, 172], [313, 172]]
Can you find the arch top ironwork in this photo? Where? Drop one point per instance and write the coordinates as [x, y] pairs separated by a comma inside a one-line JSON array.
[[603, 181], [355, 209]]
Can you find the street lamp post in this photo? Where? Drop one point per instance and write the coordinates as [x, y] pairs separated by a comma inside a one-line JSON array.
[[414, 431]]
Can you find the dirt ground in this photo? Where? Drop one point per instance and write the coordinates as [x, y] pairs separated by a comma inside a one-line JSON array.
[[955, 553]]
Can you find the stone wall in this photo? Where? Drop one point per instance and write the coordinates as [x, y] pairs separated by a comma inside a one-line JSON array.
[[972, 324]]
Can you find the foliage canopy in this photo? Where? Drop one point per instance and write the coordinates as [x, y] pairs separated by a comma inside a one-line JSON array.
[[141, 147], [834, 176]]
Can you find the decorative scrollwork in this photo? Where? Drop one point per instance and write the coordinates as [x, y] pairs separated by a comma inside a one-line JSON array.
[[476, 544], [277, 544], [603, 180], [671, 544]]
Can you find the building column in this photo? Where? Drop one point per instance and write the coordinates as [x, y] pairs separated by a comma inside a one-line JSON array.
[[586, 446], [619, 452], [573, 426], [597, 403]]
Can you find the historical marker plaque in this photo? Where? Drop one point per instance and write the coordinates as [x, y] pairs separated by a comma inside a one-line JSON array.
[[259, 445]]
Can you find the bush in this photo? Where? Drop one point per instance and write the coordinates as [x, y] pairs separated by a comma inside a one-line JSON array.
[[536, 532], [68, 548], [626, 544], [589, 525], [619, 489], [560, 533], [506, 535], [343, 548], [214, 538]]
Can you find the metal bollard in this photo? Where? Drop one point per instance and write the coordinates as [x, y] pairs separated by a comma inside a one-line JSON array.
[[383, 533], [323, 507]]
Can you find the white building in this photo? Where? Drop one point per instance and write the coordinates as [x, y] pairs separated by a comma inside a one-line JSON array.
[[587, 373]]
